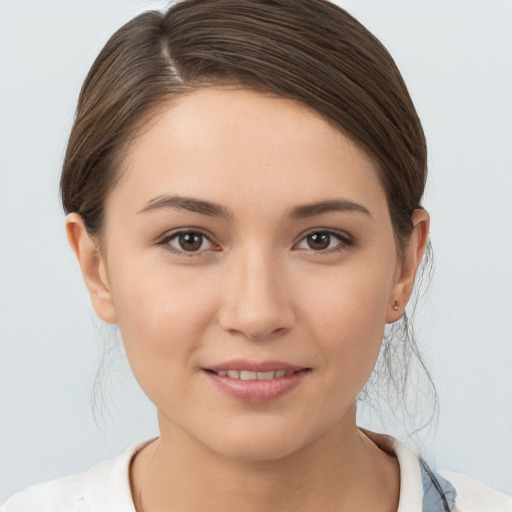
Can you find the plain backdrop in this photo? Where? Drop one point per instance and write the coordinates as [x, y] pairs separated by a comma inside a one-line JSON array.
[[455, 56]]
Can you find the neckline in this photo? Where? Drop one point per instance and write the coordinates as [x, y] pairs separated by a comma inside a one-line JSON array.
[[411, 487]]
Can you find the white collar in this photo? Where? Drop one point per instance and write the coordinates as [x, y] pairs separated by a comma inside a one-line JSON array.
[[119, 496], [411, 486]]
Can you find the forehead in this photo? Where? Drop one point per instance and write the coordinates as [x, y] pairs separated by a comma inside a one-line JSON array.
[[240, 146]]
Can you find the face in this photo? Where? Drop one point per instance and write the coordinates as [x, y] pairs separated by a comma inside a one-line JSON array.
[[249, 259]]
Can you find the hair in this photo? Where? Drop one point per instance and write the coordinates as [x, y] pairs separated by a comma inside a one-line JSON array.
[[311, 51], [306, 50]]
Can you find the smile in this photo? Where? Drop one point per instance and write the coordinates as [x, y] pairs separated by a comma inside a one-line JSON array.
[[256, 382], [250, 375]]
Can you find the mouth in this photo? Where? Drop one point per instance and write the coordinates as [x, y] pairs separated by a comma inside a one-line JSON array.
[[256, 382], [252, 375]]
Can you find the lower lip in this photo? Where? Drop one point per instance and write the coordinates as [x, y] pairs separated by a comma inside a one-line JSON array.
[[257, 391]]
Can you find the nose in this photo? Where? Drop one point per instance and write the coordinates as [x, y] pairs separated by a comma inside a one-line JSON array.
[[256, 301]]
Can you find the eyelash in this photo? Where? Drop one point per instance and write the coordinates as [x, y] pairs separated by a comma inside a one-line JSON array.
[[165, 241], [345, 241]]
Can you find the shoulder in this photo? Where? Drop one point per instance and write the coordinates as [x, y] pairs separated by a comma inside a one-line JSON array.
[[104, 487], [55, 496], [424, 490], [475, 496]]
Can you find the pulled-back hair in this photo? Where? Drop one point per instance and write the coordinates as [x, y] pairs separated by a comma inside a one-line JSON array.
[[311, 51], [307, 50]]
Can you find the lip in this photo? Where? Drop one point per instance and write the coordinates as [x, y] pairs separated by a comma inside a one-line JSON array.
[[256, 391], [253, 366]]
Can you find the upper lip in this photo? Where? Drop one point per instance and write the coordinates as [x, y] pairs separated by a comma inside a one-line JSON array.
[[253, 366]]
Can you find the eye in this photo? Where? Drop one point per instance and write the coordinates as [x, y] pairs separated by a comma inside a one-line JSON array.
[[325, 241], [187, 242]]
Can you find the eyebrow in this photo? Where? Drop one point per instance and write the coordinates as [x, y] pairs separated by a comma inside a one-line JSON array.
[[331, 205], [190, 204], [210, 209]]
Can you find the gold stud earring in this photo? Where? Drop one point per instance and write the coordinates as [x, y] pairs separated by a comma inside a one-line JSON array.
[[395, 305]]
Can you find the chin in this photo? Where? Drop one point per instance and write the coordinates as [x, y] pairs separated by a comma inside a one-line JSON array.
[[261, 440], [257, 449]]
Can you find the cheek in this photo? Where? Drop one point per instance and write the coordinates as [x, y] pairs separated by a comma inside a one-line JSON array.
[[162, 317], [351, 300], [347, 318]]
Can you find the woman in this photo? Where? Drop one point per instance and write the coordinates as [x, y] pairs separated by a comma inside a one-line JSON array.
[[243, 185]]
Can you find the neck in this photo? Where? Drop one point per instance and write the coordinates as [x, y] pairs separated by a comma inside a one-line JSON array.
[[341, 471]]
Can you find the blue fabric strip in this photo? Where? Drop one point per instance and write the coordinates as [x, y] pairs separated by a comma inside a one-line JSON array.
[[432, 499]]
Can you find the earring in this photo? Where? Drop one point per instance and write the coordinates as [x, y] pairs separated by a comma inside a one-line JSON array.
[[395, 305]]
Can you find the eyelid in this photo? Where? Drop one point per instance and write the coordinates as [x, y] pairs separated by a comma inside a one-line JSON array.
[[346, 240], [172, 234]]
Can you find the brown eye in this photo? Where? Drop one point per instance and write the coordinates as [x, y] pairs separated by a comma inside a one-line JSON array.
[[189, 241], [325, 241], [319, 241]]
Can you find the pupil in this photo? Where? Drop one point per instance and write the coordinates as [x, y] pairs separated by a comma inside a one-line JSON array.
[[191, 241], [319, 241]]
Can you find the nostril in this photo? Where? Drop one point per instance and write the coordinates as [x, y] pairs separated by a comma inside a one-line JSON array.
[[254, 326], [261, 335]]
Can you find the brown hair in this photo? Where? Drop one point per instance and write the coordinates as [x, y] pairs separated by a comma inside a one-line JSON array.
[[307, 50], [311, 51]]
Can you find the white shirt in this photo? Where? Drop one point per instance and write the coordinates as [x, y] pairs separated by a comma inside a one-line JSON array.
[[106, 488]]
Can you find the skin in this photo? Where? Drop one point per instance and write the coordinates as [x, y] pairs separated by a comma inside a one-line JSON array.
[[256, 290]]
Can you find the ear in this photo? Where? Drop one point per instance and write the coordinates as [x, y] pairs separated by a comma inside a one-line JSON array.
[[93, 268], [407, 268]]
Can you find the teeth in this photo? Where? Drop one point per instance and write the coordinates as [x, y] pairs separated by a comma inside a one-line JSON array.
[[266, 375], [248, 375]]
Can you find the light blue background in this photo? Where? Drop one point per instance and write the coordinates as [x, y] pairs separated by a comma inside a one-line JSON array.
[[456, 57]]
